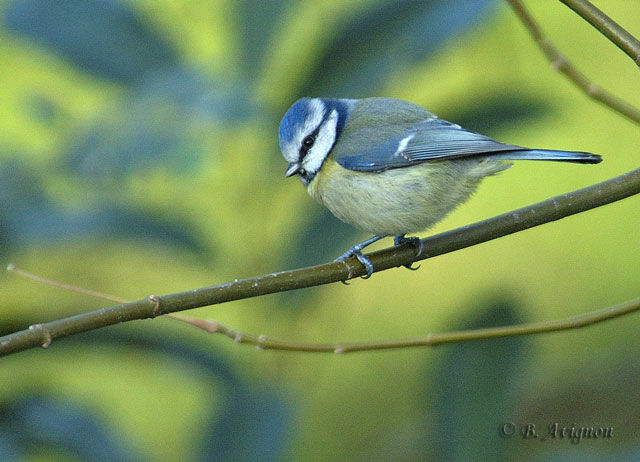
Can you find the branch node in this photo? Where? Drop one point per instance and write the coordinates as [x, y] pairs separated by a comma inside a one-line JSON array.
[[547, 44], [350, 271], [593, 89], [559, 62], [239, 338], [11, 267], [212, 326], [45, 334], [262, 339], [155, 301], [339, 350]]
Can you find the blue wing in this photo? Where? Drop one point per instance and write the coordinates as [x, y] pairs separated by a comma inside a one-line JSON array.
[[437, 139]]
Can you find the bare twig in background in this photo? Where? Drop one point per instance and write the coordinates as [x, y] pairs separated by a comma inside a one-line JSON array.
[[562, 65], [93, 293], [263, 342], [61, 285], [518, 220], [607, 27]]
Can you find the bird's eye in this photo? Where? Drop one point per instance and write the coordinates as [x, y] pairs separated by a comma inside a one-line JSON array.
[[308, 141]]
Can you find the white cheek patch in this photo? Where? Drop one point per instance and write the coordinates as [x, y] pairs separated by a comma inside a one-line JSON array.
[[324, 142]]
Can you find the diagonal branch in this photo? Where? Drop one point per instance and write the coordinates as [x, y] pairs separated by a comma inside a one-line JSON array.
[[518, 220], [562, 65], [607, 27]]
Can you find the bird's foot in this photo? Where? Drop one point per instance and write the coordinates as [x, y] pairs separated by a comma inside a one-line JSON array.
[[356, 251], [401, 239], [352, 252]]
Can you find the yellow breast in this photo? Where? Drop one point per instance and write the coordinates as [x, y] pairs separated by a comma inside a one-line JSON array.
[[400, 200]]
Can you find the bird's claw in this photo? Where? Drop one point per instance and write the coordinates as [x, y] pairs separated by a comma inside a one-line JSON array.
[[355, 252], [414, 241], [366, 263]]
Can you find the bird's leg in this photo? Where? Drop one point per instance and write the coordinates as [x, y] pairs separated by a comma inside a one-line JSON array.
[[356, 251], [414, 241]]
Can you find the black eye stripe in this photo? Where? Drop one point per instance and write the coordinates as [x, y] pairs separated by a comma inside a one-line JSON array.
[[334, 105]]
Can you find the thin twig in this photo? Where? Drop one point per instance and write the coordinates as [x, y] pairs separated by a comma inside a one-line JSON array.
[[562, 65], [518, 220], [262, 342], [91, 293], [607, 27], [61, 285]]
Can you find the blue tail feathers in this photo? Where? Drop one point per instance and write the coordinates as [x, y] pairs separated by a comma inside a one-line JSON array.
[[544, 154]]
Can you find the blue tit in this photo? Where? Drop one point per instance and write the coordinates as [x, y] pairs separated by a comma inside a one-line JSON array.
[[390, 167]]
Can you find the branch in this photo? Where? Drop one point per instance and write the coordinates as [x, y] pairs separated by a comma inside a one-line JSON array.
[[562, 65], [518, 220], [607, 27], [262, 342]]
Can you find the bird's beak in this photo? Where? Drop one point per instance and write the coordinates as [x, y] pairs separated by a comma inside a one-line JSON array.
[[294, 167]]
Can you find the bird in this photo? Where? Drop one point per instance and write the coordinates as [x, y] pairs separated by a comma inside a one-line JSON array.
[[390, 167]]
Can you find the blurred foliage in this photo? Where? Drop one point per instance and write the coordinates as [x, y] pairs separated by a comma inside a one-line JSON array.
[[138, 155], [105, 38], [402, 32], [32, 423], [460, 388]]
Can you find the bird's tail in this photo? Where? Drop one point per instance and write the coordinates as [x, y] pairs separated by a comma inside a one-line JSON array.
[[544, 154]]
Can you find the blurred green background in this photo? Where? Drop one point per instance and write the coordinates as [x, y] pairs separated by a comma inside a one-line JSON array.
[[138, 155]]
